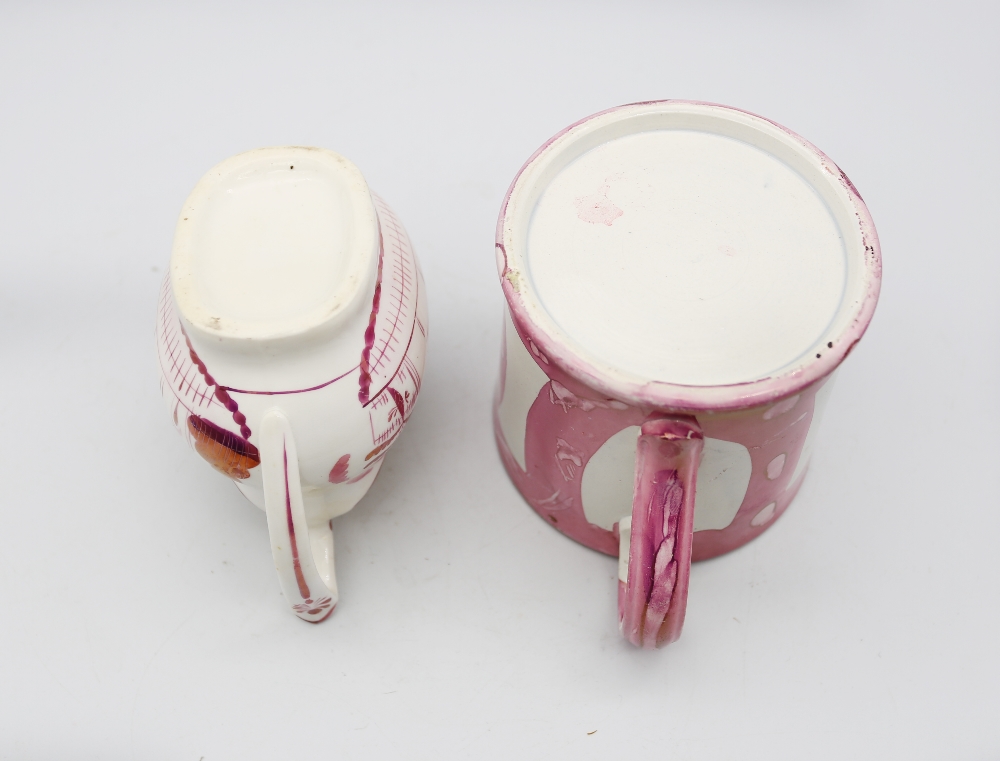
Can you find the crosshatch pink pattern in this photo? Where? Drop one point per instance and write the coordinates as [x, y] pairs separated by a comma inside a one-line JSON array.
[[394, 308], [206, 410]]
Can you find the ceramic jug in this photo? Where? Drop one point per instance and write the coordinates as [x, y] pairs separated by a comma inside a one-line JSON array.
[[291, 335]]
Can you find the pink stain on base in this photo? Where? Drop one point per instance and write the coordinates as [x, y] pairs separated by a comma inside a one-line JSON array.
[[597, 209]]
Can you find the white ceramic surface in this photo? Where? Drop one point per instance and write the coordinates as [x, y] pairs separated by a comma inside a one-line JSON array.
[[291, 341], [686, 256]]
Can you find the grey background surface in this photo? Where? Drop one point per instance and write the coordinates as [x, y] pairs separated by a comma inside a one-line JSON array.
[[140, 616]]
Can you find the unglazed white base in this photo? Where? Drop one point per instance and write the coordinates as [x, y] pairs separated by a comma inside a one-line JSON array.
[[274, 243], [686, 257]]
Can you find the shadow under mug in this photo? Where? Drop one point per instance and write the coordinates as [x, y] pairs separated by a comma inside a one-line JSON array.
[[661, 473]]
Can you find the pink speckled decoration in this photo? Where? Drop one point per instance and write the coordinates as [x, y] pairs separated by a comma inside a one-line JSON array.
[[565, 429], [570, 405]]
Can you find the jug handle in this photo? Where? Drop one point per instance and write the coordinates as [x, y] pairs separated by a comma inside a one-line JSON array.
[[295, 546], [655, 541]]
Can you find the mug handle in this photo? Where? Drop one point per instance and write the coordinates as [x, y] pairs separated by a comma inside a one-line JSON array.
[[295, 546], [655, 541]]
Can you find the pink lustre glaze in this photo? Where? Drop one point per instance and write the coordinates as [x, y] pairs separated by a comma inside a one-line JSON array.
[[653, 601], [612, 440], [565, 428]]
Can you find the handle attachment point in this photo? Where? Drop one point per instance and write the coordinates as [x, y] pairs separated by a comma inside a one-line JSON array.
[[295, 545], [653, 596]]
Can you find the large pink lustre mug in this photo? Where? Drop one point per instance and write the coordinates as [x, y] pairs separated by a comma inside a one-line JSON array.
[[682, 280]]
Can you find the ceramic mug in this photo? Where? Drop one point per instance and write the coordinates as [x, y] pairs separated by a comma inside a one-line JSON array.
[[682, 279], [291, 335]]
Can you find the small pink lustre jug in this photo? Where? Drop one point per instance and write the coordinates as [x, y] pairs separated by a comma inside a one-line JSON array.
[[291, 336]]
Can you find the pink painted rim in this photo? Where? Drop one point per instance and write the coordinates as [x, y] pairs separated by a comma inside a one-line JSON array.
[[671, 396]]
